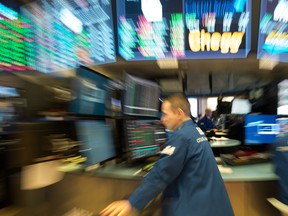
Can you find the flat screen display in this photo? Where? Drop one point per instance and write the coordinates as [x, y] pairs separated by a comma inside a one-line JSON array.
[[272, 40], [141, 97], [241, 106], [63, 34], [260, 129], [282, 108], [96, 141], [185, 29], [12, 36], [144, 138], [90, 89]]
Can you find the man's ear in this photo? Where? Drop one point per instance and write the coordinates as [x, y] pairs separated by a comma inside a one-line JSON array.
[[180, 112]]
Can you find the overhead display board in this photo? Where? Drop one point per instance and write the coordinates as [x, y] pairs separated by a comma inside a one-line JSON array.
[[63, 34], [273, 29], [12, 38], [185, 29]]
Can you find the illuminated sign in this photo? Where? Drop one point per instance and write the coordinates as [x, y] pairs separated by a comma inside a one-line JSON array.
[[65, 34], [273, 29], [187, 29], [12, 40]]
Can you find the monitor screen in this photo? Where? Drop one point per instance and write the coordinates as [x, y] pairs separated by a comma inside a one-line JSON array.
[[8, 92], [141, 97], [282, 108], [90, 89], [39, 95], [144, 138], [283, 125], [96, 141], [114, 98], [63, 34], [272, 41], [260, 129], [185, 29], [12, 47], [241, 106]]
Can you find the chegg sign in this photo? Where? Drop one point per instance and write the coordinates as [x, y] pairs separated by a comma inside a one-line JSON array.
[[206, 41]]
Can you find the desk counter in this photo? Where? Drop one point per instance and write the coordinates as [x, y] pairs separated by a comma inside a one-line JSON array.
[[250, 173], [248, 187], [241, 173], [223, 143]]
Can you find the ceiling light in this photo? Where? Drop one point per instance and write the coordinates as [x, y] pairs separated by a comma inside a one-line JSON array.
[[169, 63], [268, 62], [152, 10]]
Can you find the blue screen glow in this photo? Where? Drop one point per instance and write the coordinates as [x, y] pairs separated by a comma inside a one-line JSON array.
[[260, 129], [273, 29]]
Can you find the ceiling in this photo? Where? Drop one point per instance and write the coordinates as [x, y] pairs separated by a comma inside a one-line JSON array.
[[225, 75], [204, 76]]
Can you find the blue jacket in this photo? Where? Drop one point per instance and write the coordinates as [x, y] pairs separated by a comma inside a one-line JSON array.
[[206, 124], [188, 176], [281, 162]]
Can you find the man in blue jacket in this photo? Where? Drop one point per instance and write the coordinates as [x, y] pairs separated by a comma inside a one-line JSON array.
[[186, 173], [206, 123], [280, 160]]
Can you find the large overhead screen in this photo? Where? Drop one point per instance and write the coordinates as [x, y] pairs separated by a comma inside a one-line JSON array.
[[12, 46], [63, 34], [187, 29], [273, 29]]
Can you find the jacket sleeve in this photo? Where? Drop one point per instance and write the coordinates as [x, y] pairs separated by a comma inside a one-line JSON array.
[[164, 172]]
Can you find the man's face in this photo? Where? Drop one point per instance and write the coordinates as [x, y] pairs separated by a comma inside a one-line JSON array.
[[169, 118], [209, 113]]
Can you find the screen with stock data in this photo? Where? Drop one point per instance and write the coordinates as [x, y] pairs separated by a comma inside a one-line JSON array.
[[272, 40], [144, 138], [141, 96], [63, 34], [185, 29], [13, 38]]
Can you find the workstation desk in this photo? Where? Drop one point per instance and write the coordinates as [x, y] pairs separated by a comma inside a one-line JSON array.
[[248, 187], [224, 142]]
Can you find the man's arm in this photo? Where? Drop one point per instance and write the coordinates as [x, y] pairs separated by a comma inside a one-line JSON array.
[[163, 172]]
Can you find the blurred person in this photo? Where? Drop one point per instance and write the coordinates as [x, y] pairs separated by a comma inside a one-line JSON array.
[[199, 117], [186, 172], [280, 159], [206, 122]]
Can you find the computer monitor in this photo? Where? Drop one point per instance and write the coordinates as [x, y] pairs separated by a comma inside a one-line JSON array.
[[270, 46], [241, 106], [96, 141], [260, 129], [13, 47], [30, 142], [63, 34], [282, 108], [144, 138], [141, 97], [96, 94], [35, 95], [158, 29], [114, 98]]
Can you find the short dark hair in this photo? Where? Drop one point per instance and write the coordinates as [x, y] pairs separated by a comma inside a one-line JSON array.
[[179, 101]]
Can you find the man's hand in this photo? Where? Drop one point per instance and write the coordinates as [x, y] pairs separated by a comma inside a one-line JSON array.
[[117, 208]]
